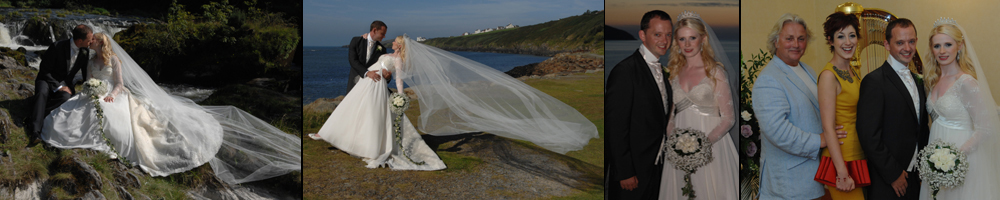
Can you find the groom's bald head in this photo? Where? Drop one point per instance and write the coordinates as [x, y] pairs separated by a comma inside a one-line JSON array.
[[378, 30]]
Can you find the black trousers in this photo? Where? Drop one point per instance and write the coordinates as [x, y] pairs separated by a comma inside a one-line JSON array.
[[45, 102]]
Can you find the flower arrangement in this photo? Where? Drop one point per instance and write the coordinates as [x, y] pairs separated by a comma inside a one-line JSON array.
[[942, 166], [749, 127], [688, 150], [398, 103], [94, 88]]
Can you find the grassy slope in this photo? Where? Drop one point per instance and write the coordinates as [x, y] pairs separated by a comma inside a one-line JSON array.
[[582, 92], [581, 32]]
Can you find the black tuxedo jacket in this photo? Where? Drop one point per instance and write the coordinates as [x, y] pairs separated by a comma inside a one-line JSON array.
[[54, 70], [636, 124], [889, 130], [357, 52]]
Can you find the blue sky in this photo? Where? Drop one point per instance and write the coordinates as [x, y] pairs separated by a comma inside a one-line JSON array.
[[334, 22]]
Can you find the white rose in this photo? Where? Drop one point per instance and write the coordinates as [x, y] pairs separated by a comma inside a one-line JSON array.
[[398, 102], [746, 115], [687, 143], [943, 159]]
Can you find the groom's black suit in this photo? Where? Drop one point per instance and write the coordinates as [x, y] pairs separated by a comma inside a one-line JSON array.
[[356, 56], [636, 124], [53, 71], [889, 130]]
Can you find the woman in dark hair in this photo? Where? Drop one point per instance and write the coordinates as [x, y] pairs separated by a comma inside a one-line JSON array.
[[838, 88]]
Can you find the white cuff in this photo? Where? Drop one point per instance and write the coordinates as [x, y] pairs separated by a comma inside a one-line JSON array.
[[913, 162]]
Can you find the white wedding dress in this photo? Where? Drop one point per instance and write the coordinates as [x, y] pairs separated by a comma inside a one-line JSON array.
[[135, 133], [165, 134], [707, 107], [361, 125], [961, 117]]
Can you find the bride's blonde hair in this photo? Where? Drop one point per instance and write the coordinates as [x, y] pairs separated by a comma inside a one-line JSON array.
[[106, 52], [932, 74], [678, 61], [402, 51]]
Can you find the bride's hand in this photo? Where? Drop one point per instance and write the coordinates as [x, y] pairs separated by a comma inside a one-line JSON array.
[[364, 35], [109, 99]]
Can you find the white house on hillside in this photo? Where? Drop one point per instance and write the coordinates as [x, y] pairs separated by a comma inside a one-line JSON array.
[[421, 39]]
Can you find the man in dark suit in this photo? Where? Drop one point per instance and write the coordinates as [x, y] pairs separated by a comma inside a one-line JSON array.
[[892, 118], [363, 52], [637, 101], [54, 82]]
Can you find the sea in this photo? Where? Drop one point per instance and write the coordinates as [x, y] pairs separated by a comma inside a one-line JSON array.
[[617, 50], [325, 69]]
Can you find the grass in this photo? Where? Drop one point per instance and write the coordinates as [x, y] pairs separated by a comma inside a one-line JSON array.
[[581, 91]]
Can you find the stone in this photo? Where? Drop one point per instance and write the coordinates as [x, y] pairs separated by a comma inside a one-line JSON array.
[[93, 195], [124, 194]]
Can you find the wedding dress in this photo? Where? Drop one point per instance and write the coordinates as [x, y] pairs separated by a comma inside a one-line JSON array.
[[165, 134], [959, 117], [965, 114], [361, 125], [707, 107]]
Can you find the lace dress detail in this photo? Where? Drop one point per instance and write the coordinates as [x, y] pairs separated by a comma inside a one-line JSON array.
[[707, 107], [959, 117]]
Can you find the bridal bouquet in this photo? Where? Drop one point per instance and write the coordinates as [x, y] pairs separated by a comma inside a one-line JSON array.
[[398, 103], [942, 166], [94, 88], [687, 150]]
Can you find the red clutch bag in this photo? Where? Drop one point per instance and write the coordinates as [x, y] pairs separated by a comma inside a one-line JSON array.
[[857, 169]]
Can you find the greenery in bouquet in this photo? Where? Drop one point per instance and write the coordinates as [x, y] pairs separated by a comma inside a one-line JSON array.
[[942, 166], [749, 127], [94, 88], [689, 150], [398, 103]]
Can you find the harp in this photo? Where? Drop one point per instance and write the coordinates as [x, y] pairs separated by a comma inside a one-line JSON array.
[[871, 52]]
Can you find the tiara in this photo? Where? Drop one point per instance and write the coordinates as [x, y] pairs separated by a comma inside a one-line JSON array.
[[688, 14], [944, 20]]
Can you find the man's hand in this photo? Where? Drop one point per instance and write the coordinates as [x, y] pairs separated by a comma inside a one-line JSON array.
[[841, 133], [630, 183], [373, 75], [386, 74], [65, 89], [900, 184]]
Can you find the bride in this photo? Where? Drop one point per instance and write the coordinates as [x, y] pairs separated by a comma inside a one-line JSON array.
[[456, 95], [164, 134], [963, 111], [702, 102]]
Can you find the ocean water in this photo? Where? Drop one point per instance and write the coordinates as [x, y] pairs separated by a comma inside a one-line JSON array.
[[617, 50], [325, 69]]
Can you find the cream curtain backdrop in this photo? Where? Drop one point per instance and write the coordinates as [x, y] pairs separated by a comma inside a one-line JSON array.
[[979, 17]]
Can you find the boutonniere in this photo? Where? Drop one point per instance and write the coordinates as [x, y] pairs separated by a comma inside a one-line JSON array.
[[919, 77], [379, 48], [666, 70]]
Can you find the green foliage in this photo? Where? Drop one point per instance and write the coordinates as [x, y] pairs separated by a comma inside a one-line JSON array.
[[582, 32], [217, 12], [749, 163]]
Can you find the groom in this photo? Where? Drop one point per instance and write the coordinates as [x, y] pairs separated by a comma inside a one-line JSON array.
[[892, 118], [638, 97], [54, 82], [364, 52]]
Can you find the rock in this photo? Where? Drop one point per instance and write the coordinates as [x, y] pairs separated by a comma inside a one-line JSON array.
[[26, 86], [86, 178], [6, 126], [561, 63], [123, 194], [93, 195]]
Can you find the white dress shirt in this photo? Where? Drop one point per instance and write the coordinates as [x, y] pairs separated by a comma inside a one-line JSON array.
[[370, 44], [657, 71], [904, 74]]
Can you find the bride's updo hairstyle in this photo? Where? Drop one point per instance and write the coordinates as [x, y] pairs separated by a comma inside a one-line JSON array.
[[933, 71], [677, 60], [402, 51], [106, 52]]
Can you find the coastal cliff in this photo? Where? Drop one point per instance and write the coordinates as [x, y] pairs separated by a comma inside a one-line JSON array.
[[576, 33]]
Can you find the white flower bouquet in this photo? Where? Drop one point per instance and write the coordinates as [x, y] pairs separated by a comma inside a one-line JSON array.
[[942, 166], [688, 150], [95, 88], [398, 102]]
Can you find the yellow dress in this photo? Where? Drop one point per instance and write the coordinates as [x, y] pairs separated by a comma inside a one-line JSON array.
[[847, 115]]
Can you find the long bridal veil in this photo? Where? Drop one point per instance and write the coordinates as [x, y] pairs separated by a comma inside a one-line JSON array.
[[459, 95], [240, 147]]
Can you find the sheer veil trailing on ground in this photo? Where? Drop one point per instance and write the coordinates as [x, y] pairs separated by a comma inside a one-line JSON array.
[[240, 147], [458, 95]]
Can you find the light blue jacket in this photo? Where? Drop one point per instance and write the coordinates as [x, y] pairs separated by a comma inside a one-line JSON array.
[[790, 127]]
